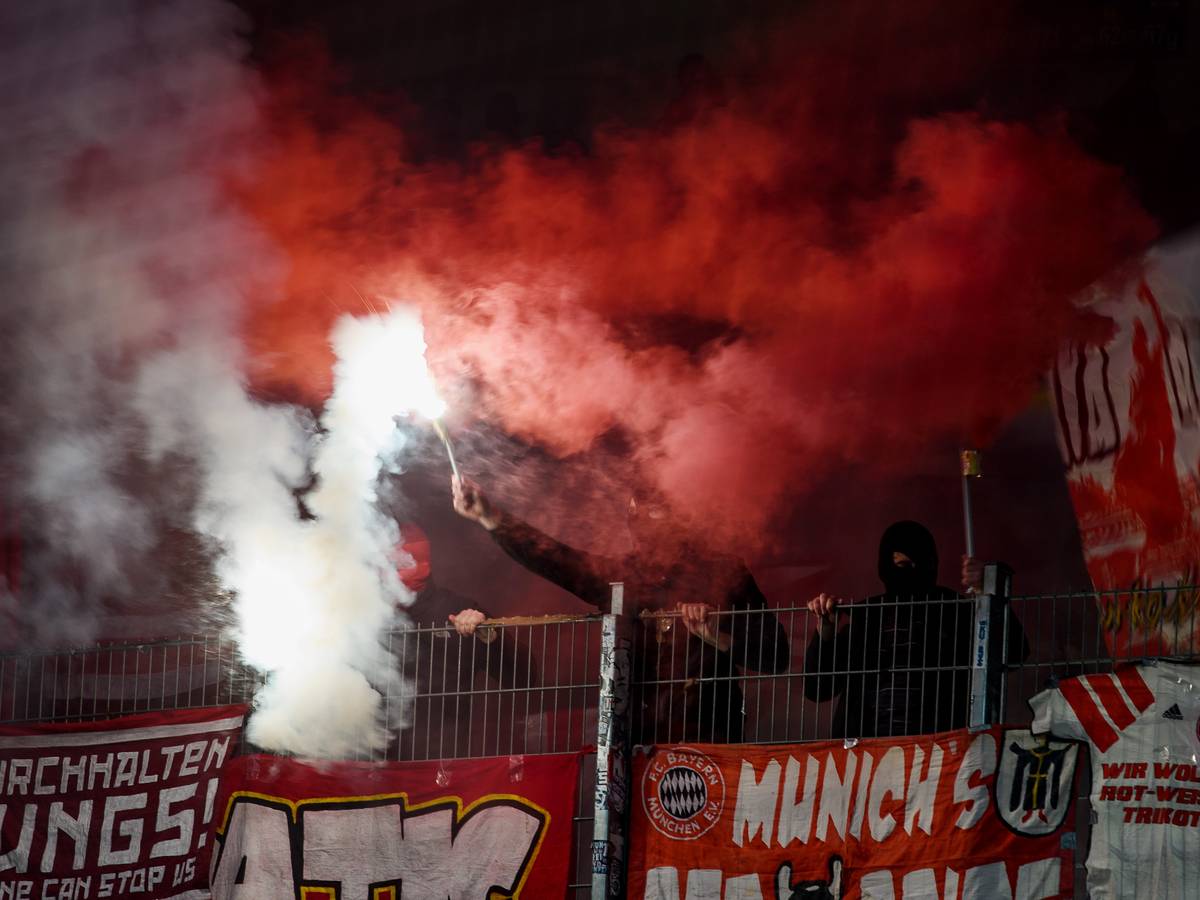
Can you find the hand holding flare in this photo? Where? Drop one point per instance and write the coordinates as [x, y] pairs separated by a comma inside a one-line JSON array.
[[471, 502]]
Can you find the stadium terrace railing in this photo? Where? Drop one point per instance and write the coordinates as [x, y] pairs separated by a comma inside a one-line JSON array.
[[520, 686], [560, 684]]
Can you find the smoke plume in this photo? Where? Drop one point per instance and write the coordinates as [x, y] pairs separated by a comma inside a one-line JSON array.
[[839, 259], [314, 596], [118, 242], [129, 417]]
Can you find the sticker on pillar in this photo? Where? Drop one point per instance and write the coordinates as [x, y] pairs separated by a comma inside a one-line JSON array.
[[1034, 781], [599, 857], [683, 793]]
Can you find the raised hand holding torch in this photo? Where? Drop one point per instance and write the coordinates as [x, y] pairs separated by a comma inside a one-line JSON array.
[[470, 502]]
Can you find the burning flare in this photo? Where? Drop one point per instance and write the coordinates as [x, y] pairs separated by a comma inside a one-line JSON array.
[[314, 603]]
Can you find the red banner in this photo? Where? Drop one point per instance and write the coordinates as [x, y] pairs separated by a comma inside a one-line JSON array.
[[970, 816], [120, 808], [470, 828], [1128, 408]]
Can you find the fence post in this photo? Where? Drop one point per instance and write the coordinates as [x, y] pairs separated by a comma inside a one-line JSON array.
[[989, 645], [612, 753]]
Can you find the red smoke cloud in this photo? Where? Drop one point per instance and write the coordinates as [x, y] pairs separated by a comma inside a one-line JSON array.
[[817, 268]]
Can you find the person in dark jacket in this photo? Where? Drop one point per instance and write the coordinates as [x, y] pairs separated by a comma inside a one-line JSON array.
[[899, 663], [685, 664], [449, 664]]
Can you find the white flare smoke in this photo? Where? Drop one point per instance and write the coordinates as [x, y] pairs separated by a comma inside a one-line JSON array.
[[116, 238], [314, 598], [313, 612], [127, 416]]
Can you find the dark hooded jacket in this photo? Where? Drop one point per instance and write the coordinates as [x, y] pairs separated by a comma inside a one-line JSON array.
[[899, 663], [683, 688]]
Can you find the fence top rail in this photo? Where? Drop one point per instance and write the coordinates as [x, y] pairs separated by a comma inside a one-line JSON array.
[[1116, 593], [213, 640], [843, 606], [506, 622], [226, 641]]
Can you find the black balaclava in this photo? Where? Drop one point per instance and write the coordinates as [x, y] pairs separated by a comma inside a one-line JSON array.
[[914, 541]]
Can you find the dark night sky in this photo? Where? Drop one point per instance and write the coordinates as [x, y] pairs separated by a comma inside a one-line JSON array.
[[1122, 72]]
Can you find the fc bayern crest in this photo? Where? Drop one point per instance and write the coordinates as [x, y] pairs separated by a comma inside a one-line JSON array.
[[1035, 781], [683, 793]]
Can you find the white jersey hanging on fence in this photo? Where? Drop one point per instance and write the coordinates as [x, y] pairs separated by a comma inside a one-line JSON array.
[[1143, 725]]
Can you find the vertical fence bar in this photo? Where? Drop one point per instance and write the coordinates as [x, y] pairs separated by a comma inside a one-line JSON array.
[[988, 650], [612, 753]]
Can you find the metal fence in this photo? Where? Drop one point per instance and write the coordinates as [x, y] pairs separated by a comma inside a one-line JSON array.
[[121, 678], [883, 668], [516, 687]]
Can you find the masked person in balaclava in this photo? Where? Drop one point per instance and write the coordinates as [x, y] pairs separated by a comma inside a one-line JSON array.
[[899, 663]]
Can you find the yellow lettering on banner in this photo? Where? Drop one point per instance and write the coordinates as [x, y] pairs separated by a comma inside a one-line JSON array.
[[1112, 614], [1150, 609], [447, 833]]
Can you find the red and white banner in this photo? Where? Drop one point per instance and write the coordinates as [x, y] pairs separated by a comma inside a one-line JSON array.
[[471, 828], [968, 816], [121, 808], [1127, 402]]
